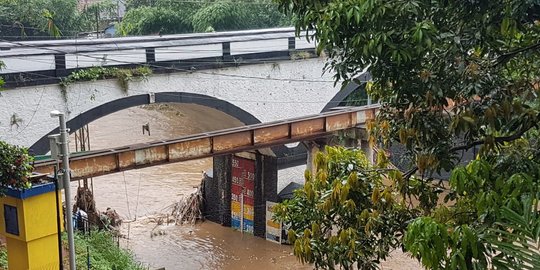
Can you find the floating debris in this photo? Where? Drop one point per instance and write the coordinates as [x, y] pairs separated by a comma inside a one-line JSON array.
[[187, 210]]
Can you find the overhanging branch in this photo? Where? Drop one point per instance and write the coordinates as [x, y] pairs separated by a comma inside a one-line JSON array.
[[507, 56], [502, 139]]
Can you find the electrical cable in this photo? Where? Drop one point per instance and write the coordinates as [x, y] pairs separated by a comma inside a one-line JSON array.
[[144, 92], [168, 68]]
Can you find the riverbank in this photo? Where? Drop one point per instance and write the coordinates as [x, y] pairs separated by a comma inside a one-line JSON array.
[[104, 253]]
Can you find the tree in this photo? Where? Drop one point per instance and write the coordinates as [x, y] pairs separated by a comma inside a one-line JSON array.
[[220, 16], [38, 18], [344, 215], [153, 20], [490, 195], [99, 14], [450, 76], [172, 17], [228, 15]]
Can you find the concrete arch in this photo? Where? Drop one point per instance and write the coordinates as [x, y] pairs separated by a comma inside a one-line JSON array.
[[41, 147], [345, 92], [290, 157]]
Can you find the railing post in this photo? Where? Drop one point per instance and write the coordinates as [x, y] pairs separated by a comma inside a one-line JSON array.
[[226, 47], [150, 55], [292, 43], [60, 65]]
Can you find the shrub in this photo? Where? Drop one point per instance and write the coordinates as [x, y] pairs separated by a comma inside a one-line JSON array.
[[15, 166]]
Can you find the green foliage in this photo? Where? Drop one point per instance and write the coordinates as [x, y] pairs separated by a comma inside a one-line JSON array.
[[105, 10], [344, 214], [450, 76], [220, 16], [15, 166], [124, 75], [52, 28], [90, 74], [171, 17], [26, 18], [2, 82], [423, 55], [104, 253], [152, 20], [3, 258], [518, 236], [490, 196]]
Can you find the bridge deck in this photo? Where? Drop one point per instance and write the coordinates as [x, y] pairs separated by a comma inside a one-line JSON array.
[[44, 62], [96, 163]]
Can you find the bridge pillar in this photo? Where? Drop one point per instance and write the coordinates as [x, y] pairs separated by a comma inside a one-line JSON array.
[[313, 148], [248, 179]]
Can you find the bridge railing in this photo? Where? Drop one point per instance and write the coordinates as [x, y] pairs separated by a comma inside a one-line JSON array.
[[41, 62]]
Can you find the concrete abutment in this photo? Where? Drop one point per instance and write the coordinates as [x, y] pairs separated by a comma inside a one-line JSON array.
[[220, 188]]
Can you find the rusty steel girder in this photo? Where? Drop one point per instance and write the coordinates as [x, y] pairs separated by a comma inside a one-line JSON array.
[[233, 140]]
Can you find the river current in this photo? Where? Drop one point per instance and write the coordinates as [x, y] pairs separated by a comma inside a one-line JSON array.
[[140, 195]]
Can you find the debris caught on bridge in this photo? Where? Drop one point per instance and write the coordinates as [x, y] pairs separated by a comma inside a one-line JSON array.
[[185, 211], [108, 220], [84, 200]]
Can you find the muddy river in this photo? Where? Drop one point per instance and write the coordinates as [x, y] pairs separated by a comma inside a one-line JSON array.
[[139, 195]]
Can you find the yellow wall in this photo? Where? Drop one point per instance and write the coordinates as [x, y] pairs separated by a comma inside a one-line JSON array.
[[36, 247]]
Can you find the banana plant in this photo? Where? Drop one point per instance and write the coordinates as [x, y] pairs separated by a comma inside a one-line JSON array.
[[517, 241], [53, 30]]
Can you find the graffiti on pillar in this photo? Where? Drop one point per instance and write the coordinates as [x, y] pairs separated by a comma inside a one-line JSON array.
[[242, 182]]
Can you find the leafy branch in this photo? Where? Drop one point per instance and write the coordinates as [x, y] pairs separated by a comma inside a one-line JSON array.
[[507, 56]]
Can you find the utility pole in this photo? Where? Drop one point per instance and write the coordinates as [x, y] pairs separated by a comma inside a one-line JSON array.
[[66, 177]]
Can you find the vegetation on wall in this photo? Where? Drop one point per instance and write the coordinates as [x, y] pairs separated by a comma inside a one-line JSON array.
[[451, 76], [2, 82], [124, 76]]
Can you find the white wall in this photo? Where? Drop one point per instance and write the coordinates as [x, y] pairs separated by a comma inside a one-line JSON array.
[[272, 97]]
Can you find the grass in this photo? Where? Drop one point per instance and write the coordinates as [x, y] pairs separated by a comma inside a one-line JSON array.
[[104, 253]]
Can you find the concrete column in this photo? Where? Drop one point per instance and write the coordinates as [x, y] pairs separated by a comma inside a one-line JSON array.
[[217, 192], [370, 154], [312, 148], [265, 190]]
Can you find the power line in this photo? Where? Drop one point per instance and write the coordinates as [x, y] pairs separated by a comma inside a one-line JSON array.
[[33, 114], [145, 92], [184, 71], [172, 68], [138, 91]]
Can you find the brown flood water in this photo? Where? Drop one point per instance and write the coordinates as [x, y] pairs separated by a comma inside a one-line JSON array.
[[138, 195]]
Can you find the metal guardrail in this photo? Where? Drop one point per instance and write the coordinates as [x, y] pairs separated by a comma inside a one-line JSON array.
[[38, 60], [96, 163]]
